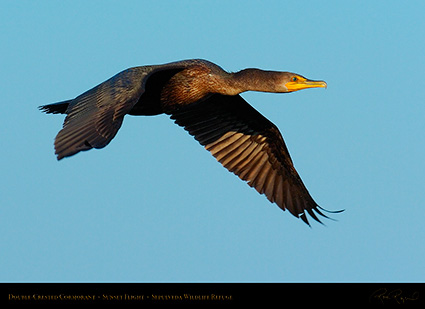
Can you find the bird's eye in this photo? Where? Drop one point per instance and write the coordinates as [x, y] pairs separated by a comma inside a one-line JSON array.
[[294, 79]]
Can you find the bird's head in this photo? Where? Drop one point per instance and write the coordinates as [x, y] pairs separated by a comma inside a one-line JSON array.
[[294, 82]]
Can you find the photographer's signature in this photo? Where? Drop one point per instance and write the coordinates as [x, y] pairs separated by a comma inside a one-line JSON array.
[[397, 296]]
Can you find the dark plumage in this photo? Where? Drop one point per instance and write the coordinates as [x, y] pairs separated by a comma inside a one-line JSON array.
[[205, 100]]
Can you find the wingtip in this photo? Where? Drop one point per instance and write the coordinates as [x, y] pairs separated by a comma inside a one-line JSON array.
[[328, 211], [331, 211], [304, 218], [317, 209]]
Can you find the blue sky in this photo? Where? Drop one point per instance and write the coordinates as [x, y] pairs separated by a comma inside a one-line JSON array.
[[154, 206]]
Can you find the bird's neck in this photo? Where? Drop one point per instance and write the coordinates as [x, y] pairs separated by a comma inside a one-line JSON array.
[[197, 82], [253, 80]]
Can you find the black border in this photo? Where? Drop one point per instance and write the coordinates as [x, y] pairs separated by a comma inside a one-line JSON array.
[[222, 294]]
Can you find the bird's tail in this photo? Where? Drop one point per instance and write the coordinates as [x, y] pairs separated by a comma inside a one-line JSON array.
[[55, 108]]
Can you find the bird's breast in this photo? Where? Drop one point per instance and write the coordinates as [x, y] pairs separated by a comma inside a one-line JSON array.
[[184, 88]]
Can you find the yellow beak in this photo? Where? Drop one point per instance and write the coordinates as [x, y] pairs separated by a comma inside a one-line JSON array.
[[302, 83]]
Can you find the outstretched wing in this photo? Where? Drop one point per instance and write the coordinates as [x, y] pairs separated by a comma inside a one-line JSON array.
[[250, 146], [94, 118]]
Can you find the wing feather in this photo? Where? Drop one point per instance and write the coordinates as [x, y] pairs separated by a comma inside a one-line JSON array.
[[250, 146], [94, 118]]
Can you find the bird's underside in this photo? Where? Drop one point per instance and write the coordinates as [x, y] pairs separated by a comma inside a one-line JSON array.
[[202, 98]]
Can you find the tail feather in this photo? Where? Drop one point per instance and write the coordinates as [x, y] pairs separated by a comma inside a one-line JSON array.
[[55, 108]]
